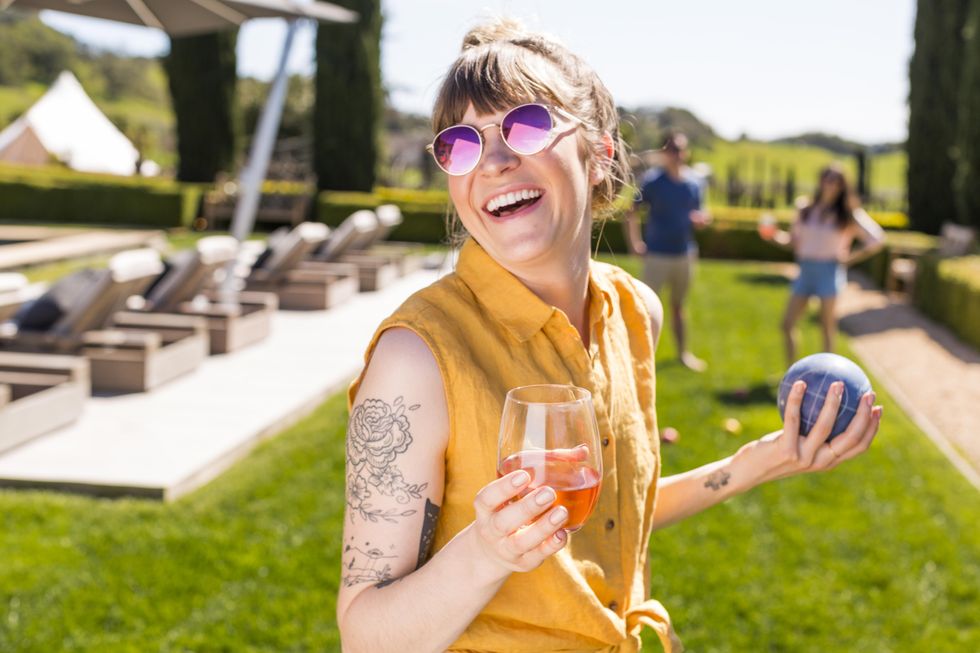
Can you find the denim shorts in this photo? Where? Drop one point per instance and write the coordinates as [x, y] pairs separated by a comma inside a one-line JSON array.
[[820, 279]]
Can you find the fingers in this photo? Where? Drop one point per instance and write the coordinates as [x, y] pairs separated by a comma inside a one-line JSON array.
[[511, 517], [867, 437], [540, 539], [789, 440], [495, 494], [820, 430], [519, 534], [856, 429]]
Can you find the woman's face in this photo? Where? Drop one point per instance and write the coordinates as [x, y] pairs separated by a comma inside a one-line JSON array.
[[830, 188], [551, 215]]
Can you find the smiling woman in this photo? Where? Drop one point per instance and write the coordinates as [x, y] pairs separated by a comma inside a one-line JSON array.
[[442, 548]]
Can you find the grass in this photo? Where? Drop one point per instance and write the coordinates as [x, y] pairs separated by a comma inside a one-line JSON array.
[[882, 555]]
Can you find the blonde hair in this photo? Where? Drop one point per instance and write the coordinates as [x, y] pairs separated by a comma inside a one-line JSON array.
[[502, 65]]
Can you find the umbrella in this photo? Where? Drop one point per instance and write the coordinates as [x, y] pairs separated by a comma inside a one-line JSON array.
[[187, 17]]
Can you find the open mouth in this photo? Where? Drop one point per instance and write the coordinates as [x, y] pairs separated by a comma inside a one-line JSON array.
[[510, 203]]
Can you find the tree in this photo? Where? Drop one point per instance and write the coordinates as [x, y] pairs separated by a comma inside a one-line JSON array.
[[348, 106], [202, 75], [967, 181], [934, 89]]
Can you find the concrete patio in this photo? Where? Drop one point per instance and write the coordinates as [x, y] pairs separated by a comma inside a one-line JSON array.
[[165, 443]]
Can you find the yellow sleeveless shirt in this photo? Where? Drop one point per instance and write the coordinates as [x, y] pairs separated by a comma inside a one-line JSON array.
[[489, 333]]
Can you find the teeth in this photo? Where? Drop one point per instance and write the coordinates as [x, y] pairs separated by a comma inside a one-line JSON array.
[[506, 199]]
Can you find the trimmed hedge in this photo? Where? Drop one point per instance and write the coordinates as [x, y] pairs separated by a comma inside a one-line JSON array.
[[948, 290], [99, 203], [424, 222]]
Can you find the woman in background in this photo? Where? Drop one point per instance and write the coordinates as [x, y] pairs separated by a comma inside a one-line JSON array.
[[821, 238]]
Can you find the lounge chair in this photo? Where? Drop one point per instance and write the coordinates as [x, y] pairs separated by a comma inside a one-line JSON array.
[[39, 393], [233, 322], [281, 269], [374, 272], [80, 315], [12, 287], [408, 256]]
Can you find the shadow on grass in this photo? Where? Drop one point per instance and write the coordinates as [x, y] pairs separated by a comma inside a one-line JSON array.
[[760, 393], [764, 278]]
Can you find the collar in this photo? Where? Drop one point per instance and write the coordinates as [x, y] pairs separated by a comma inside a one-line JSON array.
[[510, 302]]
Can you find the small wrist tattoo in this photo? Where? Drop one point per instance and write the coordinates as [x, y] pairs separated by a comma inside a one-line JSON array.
[[717, 479]]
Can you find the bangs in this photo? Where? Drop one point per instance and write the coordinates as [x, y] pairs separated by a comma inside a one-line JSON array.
[[493, 79]]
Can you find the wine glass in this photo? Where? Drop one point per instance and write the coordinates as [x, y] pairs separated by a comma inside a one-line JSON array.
[[550, 432]]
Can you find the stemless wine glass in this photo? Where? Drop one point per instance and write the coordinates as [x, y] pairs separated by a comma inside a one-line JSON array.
[[550, 432]]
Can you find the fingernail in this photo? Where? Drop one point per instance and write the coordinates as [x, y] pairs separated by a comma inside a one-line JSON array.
[[838, 388], [545, 496], [560, 535], [871, 399], [558, 515], [520, 478], [799, 387]]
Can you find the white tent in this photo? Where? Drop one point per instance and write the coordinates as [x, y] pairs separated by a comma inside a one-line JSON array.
[[65, 124]]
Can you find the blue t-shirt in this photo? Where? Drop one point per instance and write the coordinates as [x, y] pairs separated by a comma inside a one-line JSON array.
[[668, 229]]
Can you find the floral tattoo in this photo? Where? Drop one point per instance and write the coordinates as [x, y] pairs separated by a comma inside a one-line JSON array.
[[717, 479], [377, 433]]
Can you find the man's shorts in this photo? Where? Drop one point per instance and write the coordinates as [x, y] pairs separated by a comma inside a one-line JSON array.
[[673, 271], [820, 279]]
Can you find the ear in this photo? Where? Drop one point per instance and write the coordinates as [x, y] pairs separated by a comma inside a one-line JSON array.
[[605, 152]]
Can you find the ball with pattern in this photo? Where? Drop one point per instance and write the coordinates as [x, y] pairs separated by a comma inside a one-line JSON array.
[[818, 372]]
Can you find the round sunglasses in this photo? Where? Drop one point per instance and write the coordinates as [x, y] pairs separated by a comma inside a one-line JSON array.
[[525, 129]]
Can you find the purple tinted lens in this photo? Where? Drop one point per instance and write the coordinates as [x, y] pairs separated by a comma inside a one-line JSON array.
[[457, 149], [526, 128]]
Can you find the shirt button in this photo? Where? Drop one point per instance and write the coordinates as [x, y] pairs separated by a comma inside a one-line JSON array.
[[605, 442], [610, 524], [613, 606]]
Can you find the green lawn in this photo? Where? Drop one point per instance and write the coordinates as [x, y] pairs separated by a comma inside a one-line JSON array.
[[882, 555]]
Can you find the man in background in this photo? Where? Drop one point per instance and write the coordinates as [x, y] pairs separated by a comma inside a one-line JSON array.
[[673, 197]]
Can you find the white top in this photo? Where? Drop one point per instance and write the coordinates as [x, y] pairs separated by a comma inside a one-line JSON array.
[[819, 238]]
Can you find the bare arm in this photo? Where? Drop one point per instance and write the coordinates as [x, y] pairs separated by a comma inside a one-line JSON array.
[[869, 234], [391, 597], [777, 455], [634, 239]]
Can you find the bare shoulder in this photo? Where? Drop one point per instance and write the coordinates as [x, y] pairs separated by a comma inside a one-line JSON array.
[[654, 306], [403, 365]]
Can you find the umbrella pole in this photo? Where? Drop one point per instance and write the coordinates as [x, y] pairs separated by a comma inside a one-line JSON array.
[[251, 178]]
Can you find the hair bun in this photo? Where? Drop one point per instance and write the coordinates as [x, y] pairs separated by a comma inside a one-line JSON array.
[[501, 28]]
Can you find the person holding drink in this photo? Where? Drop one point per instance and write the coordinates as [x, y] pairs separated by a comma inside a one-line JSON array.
[[821, 238], [461, 477]]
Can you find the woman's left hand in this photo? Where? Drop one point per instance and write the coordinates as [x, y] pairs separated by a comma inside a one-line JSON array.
[[786, 453]]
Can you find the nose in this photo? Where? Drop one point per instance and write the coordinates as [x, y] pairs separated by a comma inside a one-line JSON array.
[[497, 157]]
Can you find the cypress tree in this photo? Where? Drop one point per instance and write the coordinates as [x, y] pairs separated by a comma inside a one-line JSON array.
[[934, 84], [348, 107], [202, 75], [967, 182]]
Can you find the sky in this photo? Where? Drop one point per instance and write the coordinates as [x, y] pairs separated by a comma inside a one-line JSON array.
[[766, 68]]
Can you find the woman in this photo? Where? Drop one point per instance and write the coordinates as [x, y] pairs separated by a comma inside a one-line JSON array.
[[821, 239], [438, 552]]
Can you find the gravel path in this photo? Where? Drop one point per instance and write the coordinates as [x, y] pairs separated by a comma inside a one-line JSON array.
[[932, 374]]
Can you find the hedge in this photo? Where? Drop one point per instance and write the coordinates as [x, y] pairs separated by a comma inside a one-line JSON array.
[[948, 290], [896, 243], [99, 203]]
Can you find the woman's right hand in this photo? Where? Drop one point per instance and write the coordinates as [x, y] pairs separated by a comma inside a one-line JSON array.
[[517, 534]]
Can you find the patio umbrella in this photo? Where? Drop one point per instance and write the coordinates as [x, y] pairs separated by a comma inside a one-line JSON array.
[[187, 17]]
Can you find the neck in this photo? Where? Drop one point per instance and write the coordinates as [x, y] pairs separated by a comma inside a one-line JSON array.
[[564, 284], [674, 170]]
